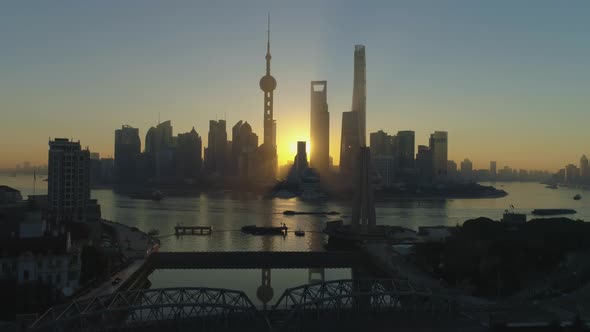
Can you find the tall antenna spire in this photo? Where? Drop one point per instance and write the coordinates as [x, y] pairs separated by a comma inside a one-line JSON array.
[[268, 57]]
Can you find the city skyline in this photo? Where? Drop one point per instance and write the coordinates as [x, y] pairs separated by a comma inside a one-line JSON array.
[[415, 80]]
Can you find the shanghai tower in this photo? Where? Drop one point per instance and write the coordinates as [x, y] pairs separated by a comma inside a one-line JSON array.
[[354, 122], [359, 92]]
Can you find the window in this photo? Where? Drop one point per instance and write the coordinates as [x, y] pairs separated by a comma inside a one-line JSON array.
[[57, 278], [26, 275]]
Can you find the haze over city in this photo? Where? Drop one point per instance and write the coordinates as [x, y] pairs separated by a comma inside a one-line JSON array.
[[508, 81]]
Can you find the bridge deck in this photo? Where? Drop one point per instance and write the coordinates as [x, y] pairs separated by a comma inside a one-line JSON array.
[[255, 260]]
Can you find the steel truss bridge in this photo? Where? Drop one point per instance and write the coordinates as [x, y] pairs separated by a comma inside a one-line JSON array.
[[222, 309]]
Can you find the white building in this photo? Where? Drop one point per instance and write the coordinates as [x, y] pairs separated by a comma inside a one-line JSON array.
[[53, 261]]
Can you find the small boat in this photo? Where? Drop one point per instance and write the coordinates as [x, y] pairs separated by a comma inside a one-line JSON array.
[[291, 213], [153, 232], [577, 197], [552, 212], [265, 230], [299, 233], [551, 186]]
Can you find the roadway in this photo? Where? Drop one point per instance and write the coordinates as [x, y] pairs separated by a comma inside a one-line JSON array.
[[256, 260], [107, 286]]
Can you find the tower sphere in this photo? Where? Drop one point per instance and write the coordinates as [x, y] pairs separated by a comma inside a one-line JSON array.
[[268, 83]]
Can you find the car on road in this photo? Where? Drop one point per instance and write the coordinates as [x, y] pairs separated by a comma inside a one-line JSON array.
[[116, 281]]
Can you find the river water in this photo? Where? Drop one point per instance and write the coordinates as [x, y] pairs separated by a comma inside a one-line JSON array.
[[226, 213]]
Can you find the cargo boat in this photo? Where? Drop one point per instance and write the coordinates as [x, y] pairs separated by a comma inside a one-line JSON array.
[[265, 230], [291, 213], [552, 212]]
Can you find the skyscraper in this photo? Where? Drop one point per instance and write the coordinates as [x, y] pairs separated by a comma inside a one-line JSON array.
[[359, 91], [584, 168], [158, 160], [127, 150], [354, 122], [68, 180], [188, 154], [268, 150], [405, 149], [216, 152], [244, 144], [320, 127], [493, 169], [467, 169], [439, 152], [425, 162], [381, 144]]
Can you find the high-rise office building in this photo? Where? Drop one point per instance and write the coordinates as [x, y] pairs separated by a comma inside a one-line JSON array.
[[268, 150], [451, 168], [301, 158], [359, 91], [300, 165], [158, 137], [354, 122], [493, 169], [68, 180], [188, 154], [216, 152], [439, 153], [572, 173], [243, 148], [425, 162], [159, 157], [127, 150], [320, 127], [467, 169], [584, 168], [381, 144], [405, 149]]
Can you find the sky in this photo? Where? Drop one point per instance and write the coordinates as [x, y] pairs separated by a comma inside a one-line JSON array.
[[509, 80]]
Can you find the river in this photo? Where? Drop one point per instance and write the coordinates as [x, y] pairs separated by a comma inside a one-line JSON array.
[[226, 213]]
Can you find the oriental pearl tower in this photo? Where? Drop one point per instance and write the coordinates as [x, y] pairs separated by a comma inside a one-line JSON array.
[[269, 147]]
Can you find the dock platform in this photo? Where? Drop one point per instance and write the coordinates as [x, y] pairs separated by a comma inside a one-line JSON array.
[[192, 230]]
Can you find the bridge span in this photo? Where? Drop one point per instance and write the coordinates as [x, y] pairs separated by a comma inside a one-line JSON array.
[[255, 260]]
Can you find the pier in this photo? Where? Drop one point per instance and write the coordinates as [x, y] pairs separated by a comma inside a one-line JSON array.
[[192, 230]]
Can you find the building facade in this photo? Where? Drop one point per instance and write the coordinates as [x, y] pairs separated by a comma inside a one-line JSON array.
[[188, 154], [353, 134], [216, 152], [405, 149], [68, 180], [439, 152], [127, 150], [320, 127]]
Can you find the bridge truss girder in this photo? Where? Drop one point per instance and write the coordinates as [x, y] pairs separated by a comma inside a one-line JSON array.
[[132, 309]]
